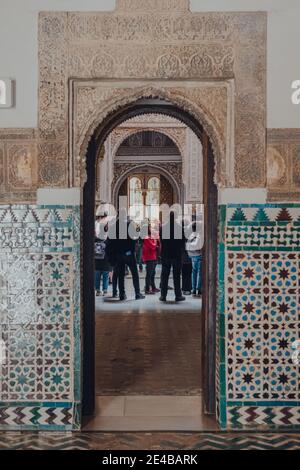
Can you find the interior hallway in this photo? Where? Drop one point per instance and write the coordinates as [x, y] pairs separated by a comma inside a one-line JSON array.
[[148, 364], [146, 347]]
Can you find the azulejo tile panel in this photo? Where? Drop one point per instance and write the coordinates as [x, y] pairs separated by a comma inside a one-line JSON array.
[[40, 313], [260, 248]]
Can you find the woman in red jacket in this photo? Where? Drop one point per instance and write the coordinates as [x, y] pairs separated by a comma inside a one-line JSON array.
[[150, 249]]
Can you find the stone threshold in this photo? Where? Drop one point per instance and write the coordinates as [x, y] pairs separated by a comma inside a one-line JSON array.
[[149, 413]]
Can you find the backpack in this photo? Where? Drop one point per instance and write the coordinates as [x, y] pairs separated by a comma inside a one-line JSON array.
[[194, 243], [100, 246]]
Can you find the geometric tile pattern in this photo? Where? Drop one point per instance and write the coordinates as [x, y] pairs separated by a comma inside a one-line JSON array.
[[149, 441], [40, 417], [260, 250], [259, 265], [267, 416], [39, 299], [262, 324], [263, 227]]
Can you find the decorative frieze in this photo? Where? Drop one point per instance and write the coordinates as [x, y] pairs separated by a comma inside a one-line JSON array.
[[145, 43], [150, 5]]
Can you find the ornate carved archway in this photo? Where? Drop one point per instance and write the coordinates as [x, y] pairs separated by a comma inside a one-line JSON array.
[[94, 102]]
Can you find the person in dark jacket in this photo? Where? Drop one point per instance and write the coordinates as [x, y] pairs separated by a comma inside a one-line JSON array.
[[121, 251], [186, 274], [172, 246], [102, 267]]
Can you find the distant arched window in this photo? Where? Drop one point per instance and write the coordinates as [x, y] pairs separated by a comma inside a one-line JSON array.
[[153, 198], [136, 203], [144, 197]]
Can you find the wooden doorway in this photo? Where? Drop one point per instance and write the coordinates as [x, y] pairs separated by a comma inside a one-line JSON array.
[[210, 257]]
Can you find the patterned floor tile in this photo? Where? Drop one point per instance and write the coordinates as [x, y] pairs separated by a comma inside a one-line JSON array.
[[149, 441]]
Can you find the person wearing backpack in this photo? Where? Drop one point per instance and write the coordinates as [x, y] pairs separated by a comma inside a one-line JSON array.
[[121, 252], [194, 250], [172, 242], [102, 267]]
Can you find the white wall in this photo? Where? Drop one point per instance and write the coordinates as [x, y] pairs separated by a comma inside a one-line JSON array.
[[18, 51]]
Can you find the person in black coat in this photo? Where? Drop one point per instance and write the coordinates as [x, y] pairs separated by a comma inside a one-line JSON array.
[[172, 247], [186, 274], [102, 266], [121, 252]]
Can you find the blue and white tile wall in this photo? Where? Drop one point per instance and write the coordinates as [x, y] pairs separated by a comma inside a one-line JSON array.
[[40, 317], [258, 321], [259, 315]]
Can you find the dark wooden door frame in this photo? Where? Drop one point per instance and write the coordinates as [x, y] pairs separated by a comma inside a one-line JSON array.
[[210, 256], [209, 276]]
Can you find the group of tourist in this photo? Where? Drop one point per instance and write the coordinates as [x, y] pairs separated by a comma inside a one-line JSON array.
[[114, 256]]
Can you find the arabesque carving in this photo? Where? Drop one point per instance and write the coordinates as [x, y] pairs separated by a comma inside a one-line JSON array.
[[206, 102], [178, 135], [144, 5], [140, 40], [145, 42]]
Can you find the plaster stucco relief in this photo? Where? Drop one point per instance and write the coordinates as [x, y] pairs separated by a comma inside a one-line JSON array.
[[2, 168], [176, 134], [147, 42], [18, 165], [53, 169], [276, 167], [22, 165], [149, 5], [295, 156], [193, 169], [92, 60], [283, 160], [150, 119], [205, 101]]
